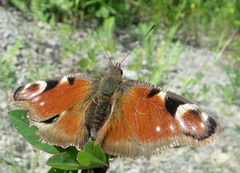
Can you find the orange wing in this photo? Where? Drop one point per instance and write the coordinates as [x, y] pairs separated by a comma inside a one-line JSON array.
[[146, 119], [58, 107]]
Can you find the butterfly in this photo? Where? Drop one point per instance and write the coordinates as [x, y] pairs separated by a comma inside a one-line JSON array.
[[127, 118]]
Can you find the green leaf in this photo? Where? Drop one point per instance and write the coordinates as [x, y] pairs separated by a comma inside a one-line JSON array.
[[84, 63], [20, 121], [92, 56], [65, 161], [92, 156], [103, 12], [108, 27]]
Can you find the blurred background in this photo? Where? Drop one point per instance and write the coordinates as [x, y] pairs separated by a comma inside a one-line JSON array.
[[193, 51]]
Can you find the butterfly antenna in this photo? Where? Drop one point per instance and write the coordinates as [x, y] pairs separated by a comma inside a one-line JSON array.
[[95, 30], [138, 43]]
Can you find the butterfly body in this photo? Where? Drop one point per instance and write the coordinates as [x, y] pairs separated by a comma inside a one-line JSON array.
[[127, 118]]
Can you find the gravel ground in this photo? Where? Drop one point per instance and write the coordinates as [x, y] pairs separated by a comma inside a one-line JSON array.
[[221, 156]]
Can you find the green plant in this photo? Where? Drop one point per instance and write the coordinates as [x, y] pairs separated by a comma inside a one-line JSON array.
[[86, 49], [192, 18], [106, 33], [21, 5], [231, 91], [165, 59], [7, 68], [155, 56]]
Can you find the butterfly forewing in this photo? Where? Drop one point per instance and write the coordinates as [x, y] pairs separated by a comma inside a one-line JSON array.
[[58, 107]]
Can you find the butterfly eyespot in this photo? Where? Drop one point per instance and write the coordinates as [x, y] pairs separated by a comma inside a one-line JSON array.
[[172, 104]]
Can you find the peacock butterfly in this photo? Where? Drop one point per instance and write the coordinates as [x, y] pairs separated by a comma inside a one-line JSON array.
[[127, 118]]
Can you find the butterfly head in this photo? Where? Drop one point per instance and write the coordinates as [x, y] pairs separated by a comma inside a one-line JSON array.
[[111, 80]]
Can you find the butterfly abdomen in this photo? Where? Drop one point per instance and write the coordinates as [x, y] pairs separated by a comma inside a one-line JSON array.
[[97, 115]]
